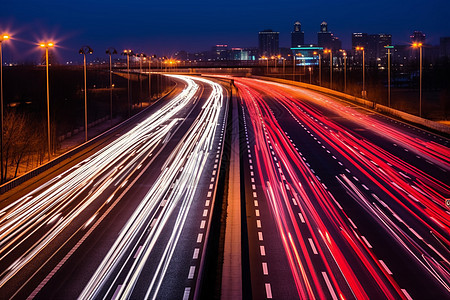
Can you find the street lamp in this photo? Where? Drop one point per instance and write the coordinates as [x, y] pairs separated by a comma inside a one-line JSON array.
[[363, 93], [331, 66], [46, 46], [389, 72], [320, 67], [128, 53], [344, 54], [419, 45], [3, 38], [85, 50], [141, 56], [110, 51]]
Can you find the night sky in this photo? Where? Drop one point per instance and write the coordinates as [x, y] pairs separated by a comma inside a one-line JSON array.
[[164, 27]]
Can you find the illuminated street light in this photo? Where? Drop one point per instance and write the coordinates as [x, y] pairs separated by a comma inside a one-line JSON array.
[[3, 38], [128, 53], [331, 66], [46, 46], [364, 92], [344, 54], [419, 45], [85, 50], [320, 67], [389, 72], [110, 51]]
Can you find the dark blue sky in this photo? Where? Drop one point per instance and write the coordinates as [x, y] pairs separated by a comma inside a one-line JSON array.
[[163, 27]]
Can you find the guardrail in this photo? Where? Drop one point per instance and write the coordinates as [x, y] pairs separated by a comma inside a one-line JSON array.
[[367, 103]]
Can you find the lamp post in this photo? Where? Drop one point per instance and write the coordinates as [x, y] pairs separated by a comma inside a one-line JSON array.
[[284, 67], [320, 67], [142, 57], [46, 46], [85, 50], [310, 75], [3, 38], [419, 45], [331, 66], [110, 51], [344, 55], [293, 66], [363, 93], [128, 53], [389, 72]]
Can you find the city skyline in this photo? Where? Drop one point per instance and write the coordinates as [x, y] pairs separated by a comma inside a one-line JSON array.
[[164, 29]]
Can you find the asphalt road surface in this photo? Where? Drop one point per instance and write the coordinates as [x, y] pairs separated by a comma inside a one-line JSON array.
[[341, 203], [127, 219]]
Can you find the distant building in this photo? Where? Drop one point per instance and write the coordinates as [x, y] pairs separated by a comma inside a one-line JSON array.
[[375, 53], [306, 55], [219, 52], [359, 39], [268, 43], [326, 39], [297, 36], [444, 46], [417, 37]]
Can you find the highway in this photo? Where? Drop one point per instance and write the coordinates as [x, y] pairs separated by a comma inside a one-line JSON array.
[[129, 218], [340, 203]]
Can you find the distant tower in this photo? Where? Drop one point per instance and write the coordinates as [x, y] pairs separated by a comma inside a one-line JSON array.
[[297, 36], [268, 42], [324, 27], [324, 37]]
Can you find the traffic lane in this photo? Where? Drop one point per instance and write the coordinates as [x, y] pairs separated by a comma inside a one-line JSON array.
[[302, 220], [321, 271], [397, 178], [411, 183], [269, 268], [183, 270], [78, 221], [107, 231], [424, 144], [315, 143], [168, 203], [32, 184], [200, 137], [384, 246]]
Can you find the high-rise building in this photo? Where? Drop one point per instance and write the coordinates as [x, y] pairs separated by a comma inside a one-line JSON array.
[[268, 42], [324, 37], [297, 36], [418, 37]]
